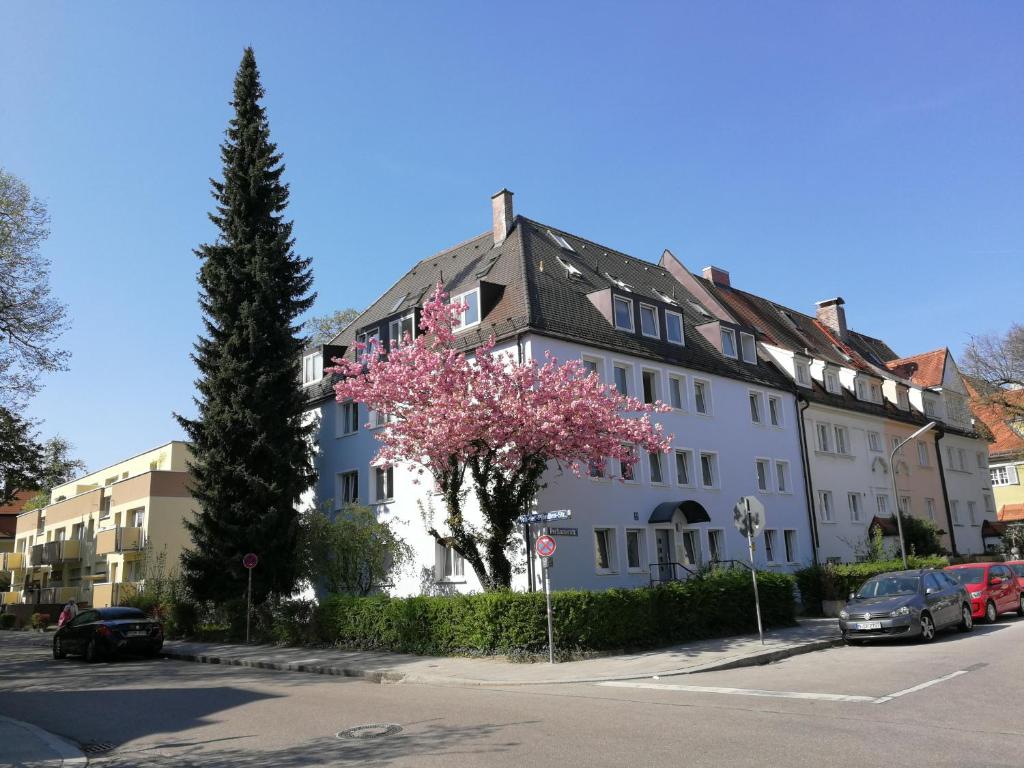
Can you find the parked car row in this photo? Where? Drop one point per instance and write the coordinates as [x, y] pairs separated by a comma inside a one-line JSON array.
[[919, 603]]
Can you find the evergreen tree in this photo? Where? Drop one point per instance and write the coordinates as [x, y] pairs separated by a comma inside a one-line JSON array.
[[252, 462]]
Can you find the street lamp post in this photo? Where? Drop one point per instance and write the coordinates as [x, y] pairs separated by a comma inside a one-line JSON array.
[[895, 491]]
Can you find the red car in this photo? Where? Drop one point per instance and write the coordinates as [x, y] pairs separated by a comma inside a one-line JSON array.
[[992, 587], [1017, 566]]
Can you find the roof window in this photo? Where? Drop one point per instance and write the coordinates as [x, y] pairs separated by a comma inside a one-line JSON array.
[[569, 268], [700, 309], [562, 242], [400, 302], [665, 297], [623, 285]]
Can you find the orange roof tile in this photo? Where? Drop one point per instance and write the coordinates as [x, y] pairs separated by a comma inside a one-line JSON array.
[[1010, 513], [1007, 441], [924, 370]]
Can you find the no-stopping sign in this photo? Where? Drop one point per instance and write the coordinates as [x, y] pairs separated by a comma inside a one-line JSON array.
[[545, 546]]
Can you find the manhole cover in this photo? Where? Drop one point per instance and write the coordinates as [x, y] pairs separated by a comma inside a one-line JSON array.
[[96, 747], [372, 731]]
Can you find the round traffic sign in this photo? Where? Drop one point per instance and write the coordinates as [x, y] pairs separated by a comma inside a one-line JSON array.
[[545, 546], [250, 560], [748, 516]]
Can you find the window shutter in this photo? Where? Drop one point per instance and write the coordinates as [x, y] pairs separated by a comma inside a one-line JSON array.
[[1011, 474]]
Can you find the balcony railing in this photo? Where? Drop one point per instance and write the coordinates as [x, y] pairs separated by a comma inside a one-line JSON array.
[[55, 552], [10, 598], [46, 595], [12, 561], [120, 539]]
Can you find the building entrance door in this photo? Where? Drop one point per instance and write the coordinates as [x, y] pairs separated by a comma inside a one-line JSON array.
[[663, 538]]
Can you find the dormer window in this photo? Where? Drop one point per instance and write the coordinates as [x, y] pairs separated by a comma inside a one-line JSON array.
[[748, 349], [623, 314], [674, 327], [471, 316], [802, 373], [400, 327], [312, 368], [862, 390], [649, 321], [729, 342], [903, 400], [367, 338], [831, 383]]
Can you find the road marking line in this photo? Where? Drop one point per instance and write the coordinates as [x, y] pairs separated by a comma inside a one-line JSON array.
[[740, 691], [922, 686]]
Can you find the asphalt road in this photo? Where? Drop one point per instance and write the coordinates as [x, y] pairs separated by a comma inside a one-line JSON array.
[[957, 702]]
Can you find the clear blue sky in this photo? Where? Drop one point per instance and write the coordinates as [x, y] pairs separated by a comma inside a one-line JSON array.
[[813, 149]]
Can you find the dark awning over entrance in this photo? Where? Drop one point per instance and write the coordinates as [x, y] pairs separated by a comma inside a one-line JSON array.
[[692, 511]]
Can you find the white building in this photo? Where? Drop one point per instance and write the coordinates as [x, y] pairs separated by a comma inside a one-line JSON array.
[[645, 328]]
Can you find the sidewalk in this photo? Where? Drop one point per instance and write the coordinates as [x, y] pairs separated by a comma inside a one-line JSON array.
[[27, 746], [702, 656]]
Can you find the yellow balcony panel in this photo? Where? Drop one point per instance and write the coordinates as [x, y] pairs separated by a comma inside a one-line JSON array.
[[69, 551], [12, 561], [120, 539], [111, 594], [10, 598]]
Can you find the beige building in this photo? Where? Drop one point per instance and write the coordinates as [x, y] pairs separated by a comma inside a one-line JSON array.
[[100, 534]]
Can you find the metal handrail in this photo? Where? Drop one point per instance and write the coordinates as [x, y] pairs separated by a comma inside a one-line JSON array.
[[658, 568], [729, 564]]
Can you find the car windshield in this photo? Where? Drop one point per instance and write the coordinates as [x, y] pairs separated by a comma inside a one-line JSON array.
[[889, 585], [1018, 570], [968, 575]]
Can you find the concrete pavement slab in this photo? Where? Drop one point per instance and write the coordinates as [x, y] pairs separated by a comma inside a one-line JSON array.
[[703, 656], [27, 746]]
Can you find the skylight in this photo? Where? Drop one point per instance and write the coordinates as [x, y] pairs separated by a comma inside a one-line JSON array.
[[562, 242], [569, 268], [399, 303], [700, 309], [623, 285], [665, 297]]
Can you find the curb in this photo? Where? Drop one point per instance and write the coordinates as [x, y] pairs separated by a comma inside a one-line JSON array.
[[68, 753], [390, 676]]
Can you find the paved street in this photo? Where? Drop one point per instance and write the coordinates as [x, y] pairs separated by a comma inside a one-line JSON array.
[[954, 703]]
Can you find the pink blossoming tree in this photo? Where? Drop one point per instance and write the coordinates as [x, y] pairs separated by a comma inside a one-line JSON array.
[[487, 417]]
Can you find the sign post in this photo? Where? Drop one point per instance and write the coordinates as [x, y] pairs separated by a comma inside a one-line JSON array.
[[545, 549], [748, 515], [249, 562]]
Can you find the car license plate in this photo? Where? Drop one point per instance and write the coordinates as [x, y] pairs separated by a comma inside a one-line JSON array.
[[869, 625], [136, 633]]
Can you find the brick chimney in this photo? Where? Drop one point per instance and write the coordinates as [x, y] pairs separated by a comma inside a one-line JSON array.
[[831, 313], [717, 276], [501, 210]]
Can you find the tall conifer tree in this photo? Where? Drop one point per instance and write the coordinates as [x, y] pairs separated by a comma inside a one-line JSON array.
[[251, 458]]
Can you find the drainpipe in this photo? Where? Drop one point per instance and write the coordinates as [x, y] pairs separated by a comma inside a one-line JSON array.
[[801, 406], [940, 433]]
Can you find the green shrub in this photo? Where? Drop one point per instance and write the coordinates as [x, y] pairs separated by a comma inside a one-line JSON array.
[[836, 582], [40, 621], [183, 618], [515, 622], [8, 620]]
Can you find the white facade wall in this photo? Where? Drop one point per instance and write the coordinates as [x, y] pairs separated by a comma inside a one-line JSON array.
[[728, 433], [968, 482]]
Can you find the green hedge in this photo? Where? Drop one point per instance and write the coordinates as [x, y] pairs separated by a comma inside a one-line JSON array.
[[513, 623], [836, 582]]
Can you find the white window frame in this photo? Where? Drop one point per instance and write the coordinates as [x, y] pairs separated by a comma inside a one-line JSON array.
[[831, 383], [922, 453], [627, 371], [340, 500], [597, 362], [615, 314], [875, 442], [744, 337], [767, 465], [775, 419], [954, 508], [716, 480], [655, 379], [612, 567], [396, 324], [654, 458], [1003, 474], [462, 324], [802, 373], [929, 509], [312, 368], [445, 554], [688, 463], [826, 509], [972, 513], [882, 504], [680, 382], [782, 478], [389, 484], [731, 335], [657, 321], [770, 545], [755, 403], [682, 329], [722, 554], [842, 440], [709, 407], [348, 416], [641, 547], [823, 436], [961, 456], [853, 502]]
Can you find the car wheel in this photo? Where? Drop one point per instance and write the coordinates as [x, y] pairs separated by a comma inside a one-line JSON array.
[[927, 628], [1020, 605], [58, 649], [966, 619], [92, 653], [990, 612]]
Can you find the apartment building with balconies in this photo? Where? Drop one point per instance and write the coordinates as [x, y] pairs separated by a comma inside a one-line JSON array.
[[100, 534]]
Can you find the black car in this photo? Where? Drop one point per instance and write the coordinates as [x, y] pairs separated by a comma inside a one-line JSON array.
[[102, 632]]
